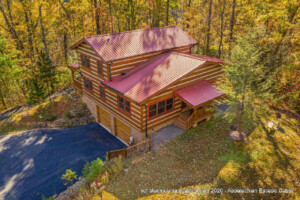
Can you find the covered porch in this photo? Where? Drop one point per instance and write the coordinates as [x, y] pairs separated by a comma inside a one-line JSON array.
[[76, 78], [197, 103]]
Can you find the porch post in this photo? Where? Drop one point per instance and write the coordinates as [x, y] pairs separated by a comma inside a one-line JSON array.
[[72, 73]]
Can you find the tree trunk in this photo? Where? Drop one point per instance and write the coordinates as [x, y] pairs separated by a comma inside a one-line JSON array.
[[208, 27], [65, 45], [11, 29], [190, 1], [9, 12], [111, 17], [29, 30], [167, 16], [241, 109], [222, 27], [97, 17], [43, 31], [232, 21], [2, 98]]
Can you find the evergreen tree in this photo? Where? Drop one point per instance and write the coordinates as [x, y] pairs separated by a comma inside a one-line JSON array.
[[37, 91], [47, 73], [246, 97]]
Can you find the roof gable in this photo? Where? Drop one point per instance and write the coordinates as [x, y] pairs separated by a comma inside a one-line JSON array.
[[121, 45]]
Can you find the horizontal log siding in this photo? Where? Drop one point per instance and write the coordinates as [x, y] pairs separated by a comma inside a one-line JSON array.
[[93, 71], [120, 66], [208, 72], [111, 104]]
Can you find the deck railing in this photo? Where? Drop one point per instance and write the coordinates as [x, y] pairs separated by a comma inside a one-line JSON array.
[[77, 84], [130, 151]]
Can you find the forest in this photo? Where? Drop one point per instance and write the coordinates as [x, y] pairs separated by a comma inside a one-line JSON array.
[[35, 36]]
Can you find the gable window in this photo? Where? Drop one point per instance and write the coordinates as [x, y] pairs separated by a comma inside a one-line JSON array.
[[183, 105], [102, 92], [123, 104], [88, 84], [161, 107], [100, 68], [85, 61]]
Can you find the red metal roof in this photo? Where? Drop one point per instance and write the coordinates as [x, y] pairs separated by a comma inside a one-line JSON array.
[[132, 43], [150, 77], [74, 66], [199, 93]]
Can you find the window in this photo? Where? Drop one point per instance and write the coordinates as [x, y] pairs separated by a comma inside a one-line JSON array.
[[102, 92], [152, 110], [85, 61], [123, 104], [160, 107], [183, 105], [169, 104], [88, 84], [100, 70]]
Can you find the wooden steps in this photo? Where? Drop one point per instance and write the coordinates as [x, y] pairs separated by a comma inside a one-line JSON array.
[[181, 122]]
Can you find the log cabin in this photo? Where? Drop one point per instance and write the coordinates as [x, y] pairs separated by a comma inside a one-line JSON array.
[[137, 82]]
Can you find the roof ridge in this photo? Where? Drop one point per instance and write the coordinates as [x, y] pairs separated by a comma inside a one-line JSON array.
[[138, 30], [191, 56], [191, 84]]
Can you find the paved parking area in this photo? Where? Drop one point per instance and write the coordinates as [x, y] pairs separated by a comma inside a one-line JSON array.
[[165, 134], [32, 163]]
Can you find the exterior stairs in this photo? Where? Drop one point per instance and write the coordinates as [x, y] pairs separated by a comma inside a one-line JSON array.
[[181, 123], [181, 120]]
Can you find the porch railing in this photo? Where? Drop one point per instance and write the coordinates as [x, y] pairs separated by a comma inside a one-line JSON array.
[[200, 115], [77, 84]]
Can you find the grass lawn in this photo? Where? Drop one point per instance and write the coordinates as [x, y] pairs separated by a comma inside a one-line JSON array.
[[205, 158]]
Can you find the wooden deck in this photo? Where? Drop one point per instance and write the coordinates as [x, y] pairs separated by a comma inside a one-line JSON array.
[[191, 118], [77, 85]]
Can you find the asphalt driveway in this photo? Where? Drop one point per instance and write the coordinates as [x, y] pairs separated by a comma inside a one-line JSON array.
[[32, 163]]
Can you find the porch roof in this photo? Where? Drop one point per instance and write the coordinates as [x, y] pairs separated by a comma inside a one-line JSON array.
[[73, 66], [198, 93]]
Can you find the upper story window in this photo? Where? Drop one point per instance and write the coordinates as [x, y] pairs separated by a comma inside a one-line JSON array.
[[88, 84], [85, 61], [161, 107], [102, 92], [100, 68], [123, 104]]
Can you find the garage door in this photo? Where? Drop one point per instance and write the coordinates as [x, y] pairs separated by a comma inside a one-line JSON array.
[[122, 130], [103, 117]]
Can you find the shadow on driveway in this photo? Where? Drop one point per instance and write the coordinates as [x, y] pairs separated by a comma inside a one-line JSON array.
[[32, 163]]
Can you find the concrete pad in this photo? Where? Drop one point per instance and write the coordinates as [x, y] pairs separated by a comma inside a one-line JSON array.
[[165, 134]]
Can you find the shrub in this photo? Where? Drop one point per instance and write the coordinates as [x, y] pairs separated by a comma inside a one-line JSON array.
[[79, 114], [115, 166], [51, 117], [68, 114], [49, 198], [90, 172], [70, 176]]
